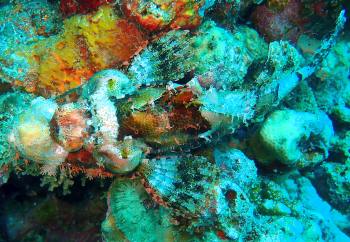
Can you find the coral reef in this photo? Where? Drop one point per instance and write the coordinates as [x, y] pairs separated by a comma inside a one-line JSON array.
[[208, 120]]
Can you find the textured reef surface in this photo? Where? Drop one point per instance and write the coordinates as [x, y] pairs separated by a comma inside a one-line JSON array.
[[174, 121]]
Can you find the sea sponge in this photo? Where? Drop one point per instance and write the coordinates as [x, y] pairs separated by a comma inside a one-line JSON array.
[[151, 15], [307, 145], [71, 7], [31, 133], [88, 43]]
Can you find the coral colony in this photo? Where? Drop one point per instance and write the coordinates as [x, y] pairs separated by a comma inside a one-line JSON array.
[[182, 120]]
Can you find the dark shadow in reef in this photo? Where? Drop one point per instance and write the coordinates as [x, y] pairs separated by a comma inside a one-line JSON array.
[[29, 212]]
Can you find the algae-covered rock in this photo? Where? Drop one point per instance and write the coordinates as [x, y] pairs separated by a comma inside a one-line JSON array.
[[291, 209], [332, 181], [296, 139], [340, 150]]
